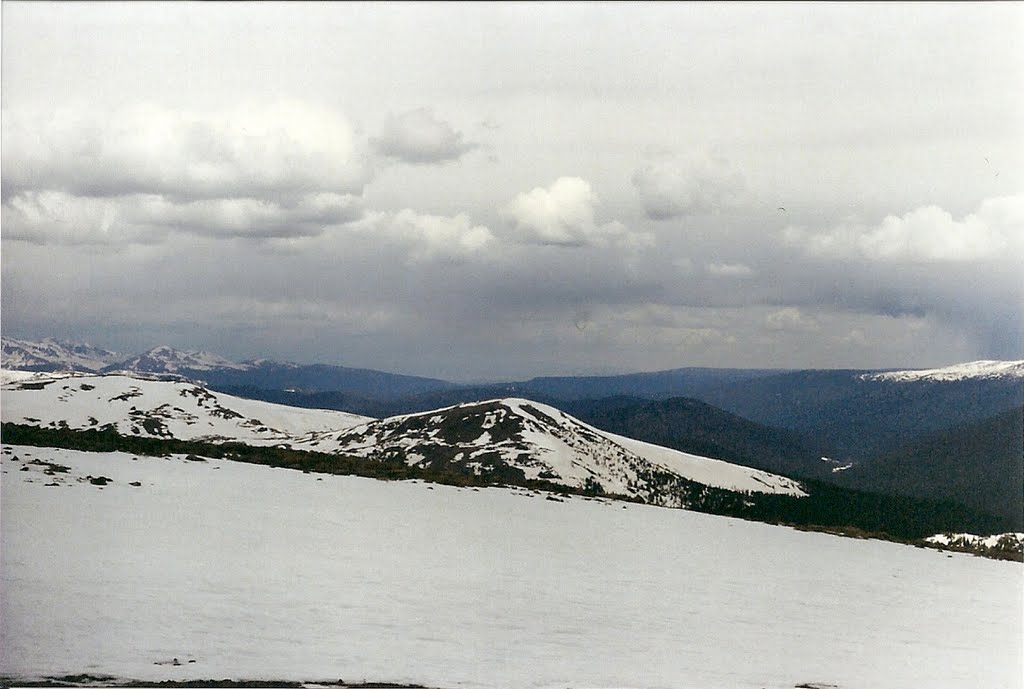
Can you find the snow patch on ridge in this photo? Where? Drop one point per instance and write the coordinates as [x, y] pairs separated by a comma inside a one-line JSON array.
[[973, 370]]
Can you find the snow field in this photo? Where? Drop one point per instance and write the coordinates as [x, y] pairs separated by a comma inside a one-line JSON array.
[[255, 572]]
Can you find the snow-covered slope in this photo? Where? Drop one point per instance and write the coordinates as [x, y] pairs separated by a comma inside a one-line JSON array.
[[158, 408], [166, 359], [520, 439], [248, 572], [510, 440], [974, 370], [51, 354]]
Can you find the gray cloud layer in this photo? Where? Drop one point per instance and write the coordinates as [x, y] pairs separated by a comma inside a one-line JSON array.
[[419, 137], [673, 188], [620, 210]]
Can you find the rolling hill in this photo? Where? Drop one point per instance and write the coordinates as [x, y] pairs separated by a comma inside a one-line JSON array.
[[517, 440], [149, 407]]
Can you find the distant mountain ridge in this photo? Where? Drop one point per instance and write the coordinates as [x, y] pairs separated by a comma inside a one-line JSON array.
[[984, 370], [215, 370], [320, 378], [53, 355], [856, 415], [712, 385], [678, 382], [164, 359]]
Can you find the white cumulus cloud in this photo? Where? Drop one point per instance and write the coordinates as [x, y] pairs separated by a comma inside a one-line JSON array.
[[278, 148], [563, 214], [141, 172], [928, 234], [424, 237]]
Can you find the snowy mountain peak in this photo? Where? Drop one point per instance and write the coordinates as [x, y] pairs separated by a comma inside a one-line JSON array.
[[973, 370], [519, 440], [164, 359], [54, 355]]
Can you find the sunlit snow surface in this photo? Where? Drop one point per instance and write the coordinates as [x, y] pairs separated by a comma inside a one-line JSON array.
[[255, 572]]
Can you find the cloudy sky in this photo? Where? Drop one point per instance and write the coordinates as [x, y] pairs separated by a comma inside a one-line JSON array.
[[500, 191]]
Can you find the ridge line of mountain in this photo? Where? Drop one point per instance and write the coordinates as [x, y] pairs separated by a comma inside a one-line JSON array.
[[54, 354]]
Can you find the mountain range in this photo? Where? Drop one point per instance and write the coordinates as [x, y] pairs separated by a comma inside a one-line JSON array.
[[509, 442], [888, 431], [53, 355], [857, 415], [512, 440]]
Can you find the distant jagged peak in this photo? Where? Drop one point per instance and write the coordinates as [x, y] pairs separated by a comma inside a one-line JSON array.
[[165, 359], [54, 354], [972, 370]]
